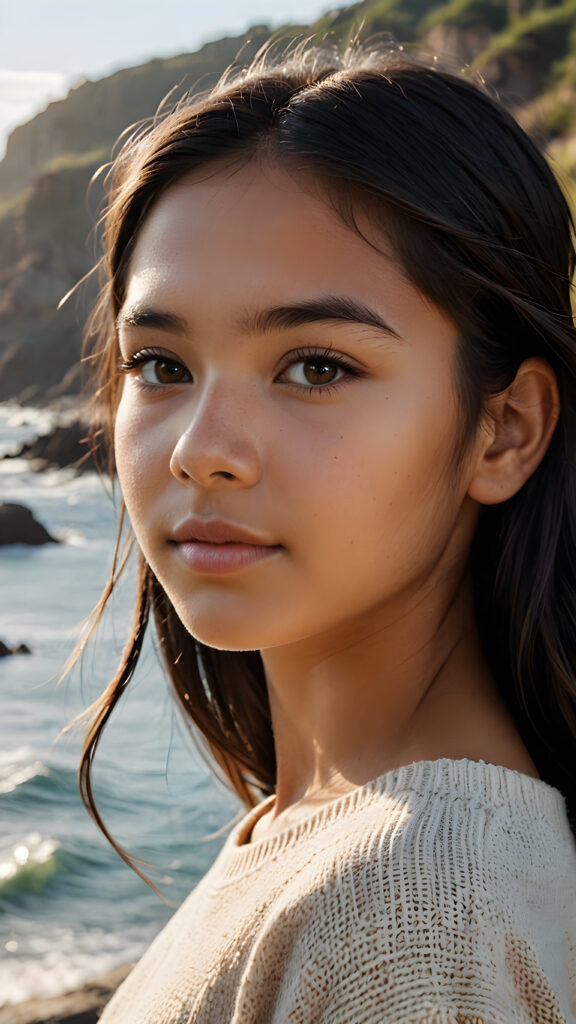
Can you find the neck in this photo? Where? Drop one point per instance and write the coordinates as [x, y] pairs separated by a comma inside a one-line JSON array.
[[385, 691]]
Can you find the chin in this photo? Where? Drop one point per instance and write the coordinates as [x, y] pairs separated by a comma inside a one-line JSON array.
[[235, 632], [222, 634]]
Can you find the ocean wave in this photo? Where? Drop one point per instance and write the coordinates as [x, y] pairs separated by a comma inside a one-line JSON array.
[[21, 466], [22, 765], [74, 538], [27, 864], [44, 979], [14, 775], [26, 416], [20, 424], [68, 961], [18, 467], [23, 753]]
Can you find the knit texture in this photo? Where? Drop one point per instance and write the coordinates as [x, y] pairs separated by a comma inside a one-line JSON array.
[[443, 892]]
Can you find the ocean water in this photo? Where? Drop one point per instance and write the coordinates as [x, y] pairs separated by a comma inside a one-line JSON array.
[[70, 908]]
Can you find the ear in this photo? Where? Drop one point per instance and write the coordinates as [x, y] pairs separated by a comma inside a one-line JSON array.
[[518, 426]]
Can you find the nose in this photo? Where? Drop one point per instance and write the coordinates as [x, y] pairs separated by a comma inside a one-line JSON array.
[[217, 445]]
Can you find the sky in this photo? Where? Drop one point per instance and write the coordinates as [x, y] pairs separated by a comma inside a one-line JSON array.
[[47, 46]]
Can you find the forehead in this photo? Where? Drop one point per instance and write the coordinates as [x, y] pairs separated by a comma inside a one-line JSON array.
[[255, 228], [222, 244]]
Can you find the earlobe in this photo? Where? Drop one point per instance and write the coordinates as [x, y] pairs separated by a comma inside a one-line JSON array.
[[516, 433]]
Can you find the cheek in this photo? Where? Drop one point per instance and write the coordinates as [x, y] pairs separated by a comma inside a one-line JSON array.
[[126, 448], [141, 459], [383, 493]]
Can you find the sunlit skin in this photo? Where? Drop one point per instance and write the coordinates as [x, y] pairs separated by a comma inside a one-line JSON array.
[[342, 462]]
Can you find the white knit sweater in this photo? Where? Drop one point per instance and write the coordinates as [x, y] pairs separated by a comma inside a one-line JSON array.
[[443, 892]]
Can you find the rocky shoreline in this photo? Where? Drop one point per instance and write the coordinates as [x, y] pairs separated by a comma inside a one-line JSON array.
[[66, 445], [83, 1006]]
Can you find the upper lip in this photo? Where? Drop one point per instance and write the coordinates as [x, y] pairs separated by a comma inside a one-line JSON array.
[[216, 531]]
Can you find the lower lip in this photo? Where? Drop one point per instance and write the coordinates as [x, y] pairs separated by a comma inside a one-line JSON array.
[[218, 559]]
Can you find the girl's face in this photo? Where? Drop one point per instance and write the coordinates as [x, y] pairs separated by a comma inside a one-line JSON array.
[[284, 379]]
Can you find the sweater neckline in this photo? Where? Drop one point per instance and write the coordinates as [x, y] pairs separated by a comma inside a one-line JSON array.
[[479, 783]]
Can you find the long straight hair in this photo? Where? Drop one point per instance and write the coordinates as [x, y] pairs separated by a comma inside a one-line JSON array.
[[480, 226]]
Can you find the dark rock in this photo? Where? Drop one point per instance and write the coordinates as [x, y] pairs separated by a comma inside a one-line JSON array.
[[20, 649], [65, 445], [18, 526], [82, 1007]]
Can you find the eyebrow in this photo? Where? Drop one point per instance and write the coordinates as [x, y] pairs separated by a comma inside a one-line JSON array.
[[154, 318], [328, 309]]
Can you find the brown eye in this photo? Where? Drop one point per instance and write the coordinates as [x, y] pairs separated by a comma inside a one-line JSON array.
[[320, 372], [313, 372], [163, 371]]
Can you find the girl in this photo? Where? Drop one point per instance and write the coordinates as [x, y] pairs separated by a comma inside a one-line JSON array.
[[338, 363]]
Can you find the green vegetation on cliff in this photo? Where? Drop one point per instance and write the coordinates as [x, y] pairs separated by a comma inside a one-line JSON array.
[[526, 51]]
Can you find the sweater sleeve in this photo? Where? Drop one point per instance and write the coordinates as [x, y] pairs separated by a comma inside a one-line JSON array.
[[455, 924], [439, 981]]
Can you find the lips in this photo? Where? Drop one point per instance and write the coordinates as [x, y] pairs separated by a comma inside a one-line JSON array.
[[216, 531], [215, 547]]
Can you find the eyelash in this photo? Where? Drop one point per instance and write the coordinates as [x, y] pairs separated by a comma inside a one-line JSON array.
[[298, 355], [143, 356], [325, 355]]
